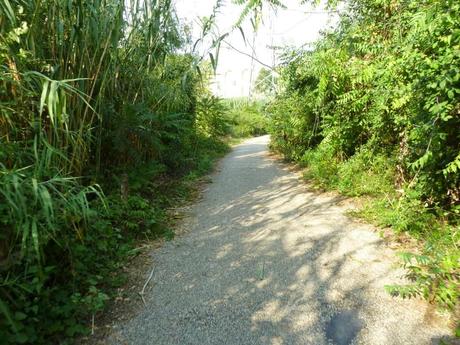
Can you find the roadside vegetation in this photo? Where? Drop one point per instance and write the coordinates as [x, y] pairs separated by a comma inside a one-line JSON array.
[[373, 109], [105, 119], [247, 117]]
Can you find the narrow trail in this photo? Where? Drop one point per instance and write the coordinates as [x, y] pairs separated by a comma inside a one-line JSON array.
[[265, 261]]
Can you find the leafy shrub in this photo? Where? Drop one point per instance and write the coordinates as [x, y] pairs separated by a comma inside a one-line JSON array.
[[434, 275], [210, 116], [404, 214], [366, 173], [247, 117], [321, 166], [294, 127]]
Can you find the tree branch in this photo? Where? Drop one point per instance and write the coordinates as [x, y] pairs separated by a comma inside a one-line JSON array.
[[248, 55]]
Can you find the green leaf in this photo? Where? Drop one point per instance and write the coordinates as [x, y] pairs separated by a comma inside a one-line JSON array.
[[19, 316], [213, 62], [44, 95], [7, 314]]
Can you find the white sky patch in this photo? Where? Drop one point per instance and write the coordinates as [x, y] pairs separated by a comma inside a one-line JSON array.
[[294, 26]]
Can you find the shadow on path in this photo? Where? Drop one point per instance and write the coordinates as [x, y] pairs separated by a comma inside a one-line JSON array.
[[267, 262]]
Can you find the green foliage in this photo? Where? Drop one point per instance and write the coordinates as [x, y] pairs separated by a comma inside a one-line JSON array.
[[434, 275], [373, 110], [365, 173], [321, 165], [211, 119], [248, 117], [91, 94], [405, 213]]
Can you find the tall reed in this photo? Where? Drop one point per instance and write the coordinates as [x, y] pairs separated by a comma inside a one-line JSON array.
[[86, 87]]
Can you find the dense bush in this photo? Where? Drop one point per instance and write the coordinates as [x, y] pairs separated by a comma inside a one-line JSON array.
[[248, 117], [374, 109], [98, 110], [212, 116]]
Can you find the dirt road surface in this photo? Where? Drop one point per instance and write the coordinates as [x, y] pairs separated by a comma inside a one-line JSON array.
[[263, 260]]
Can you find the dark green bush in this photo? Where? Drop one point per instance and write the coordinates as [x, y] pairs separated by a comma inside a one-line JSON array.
[[211, 116]]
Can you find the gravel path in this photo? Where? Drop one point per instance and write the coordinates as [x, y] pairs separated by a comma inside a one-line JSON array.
[[265, 261]]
